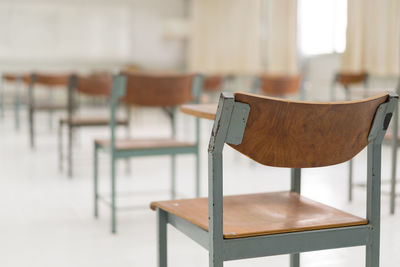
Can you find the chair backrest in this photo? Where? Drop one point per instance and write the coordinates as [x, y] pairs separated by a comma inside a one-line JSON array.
[[213, 83], [10, 77], [50, 80], [348, 78], [96, 84], [159, 90], [296, 134], [279, 85]]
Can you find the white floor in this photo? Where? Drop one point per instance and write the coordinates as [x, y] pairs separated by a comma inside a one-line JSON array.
[[46, 219]]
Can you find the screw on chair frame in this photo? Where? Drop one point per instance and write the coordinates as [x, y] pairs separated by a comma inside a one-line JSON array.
[[229, 126], [118, 93]]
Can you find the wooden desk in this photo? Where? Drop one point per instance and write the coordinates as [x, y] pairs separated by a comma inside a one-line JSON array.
[[204, 111]]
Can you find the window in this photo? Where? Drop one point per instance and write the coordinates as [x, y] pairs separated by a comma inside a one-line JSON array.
[[322, 26]]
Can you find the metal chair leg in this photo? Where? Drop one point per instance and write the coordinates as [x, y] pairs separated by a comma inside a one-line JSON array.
[[17, 106], [173, 177], [60, 147], [394, 160], [197, 175], [69, 153], [372, 254], [113, 189], [96, 181], [162, 238], [295, 260], [31, 127], [350, 193]]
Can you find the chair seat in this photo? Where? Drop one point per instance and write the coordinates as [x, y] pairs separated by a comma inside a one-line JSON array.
[[49, 106], [262, 214], [139, 144], [91, 121]]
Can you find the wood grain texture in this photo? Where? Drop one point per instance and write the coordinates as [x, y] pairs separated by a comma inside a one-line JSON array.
[[52, 79], [158, 90], [279, 85], [348, 78], [296, 134], [96, 84], [262, 214], [205, 111], [80, 121], [132, 144]]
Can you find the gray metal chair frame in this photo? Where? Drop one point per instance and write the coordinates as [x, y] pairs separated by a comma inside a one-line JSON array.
[[229, 127], [394, 143], [335, 81], [72, 107], [118, 91], [17, 98], [32, 108]]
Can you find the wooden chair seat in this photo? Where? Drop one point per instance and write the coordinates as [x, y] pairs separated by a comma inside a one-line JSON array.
[[49, 106], [139, 144], [79, 121], [262, 214]]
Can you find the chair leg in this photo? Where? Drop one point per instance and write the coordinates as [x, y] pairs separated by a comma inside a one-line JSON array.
[[69, 153], [295, 260], [162, 238], [350, 193], [215, 259], [173, 177], [60, 147], [31, 128], [197, 175], [113, 204], [372, 254], [16, 108], [96, 181]]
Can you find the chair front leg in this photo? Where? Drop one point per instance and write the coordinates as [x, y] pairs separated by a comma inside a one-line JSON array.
[[96, 180], [162, 238], [113, 192], [372, 253], [295, 260], [60, 147], [69, 153], [350, 186], [31, 127]]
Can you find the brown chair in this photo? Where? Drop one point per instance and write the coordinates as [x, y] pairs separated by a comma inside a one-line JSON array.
[[278, 85], [96, 85], [212, 87], [49, 82], [163, 91], [347, 80], [291, 134]]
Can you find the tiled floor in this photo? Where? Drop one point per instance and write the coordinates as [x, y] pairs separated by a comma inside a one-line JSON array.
[[47, 219]]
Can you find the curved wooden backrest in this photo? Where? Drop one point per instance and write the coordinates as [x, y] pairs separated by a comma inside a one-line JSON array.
[[279, 85], [96, 84], [351, 78], [158, 90], [295, 134], [213, 83], [51, 79]]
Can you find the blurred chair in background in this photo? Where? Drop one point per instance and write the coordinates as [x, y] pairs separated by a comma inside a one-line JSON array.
[[49, 82], [347, 80], [278, 85], [97, 85], [213, 86], [267, 224], [18, 80], [162, 91]]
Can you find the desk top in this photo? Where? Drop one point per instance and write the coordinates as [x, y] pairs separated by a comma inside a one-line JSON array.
[[204, 111]]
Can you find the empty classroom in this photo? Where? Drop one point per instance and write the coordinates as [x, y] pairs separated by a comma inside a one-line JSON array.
[[199, 133]]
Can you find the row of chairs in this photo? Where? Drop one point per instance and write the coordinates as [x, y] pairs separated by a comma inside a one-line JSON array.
[[271, 131]]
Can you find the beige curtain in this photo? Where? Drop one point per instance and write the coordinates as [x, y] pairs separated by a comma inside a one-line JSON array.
[[281, 45], [225, 36], [373, 37]]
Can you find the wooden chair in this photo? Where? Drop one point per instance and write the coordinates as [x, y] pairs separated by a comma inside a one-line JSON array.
[[163, 91], [94, 85], [212, 87], [347, 80], [278, 85], [292, 134], [50, 82], [18, 80]]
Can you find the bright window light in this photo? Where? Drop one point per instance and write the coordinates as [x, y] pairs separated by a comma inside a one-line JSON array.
[[322, 26]]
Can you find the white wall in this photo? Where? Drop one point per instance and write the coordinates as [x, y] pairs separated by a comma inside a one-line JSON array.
[[70, 34]]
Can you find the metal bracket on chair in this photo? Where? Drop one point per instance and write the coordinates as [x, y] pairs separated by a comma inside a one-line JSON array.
[[237, 125], [382, 118]]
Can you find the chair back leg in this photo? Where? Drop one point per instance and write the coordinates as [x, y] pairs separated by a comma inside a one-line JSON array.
[[162, 238]]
